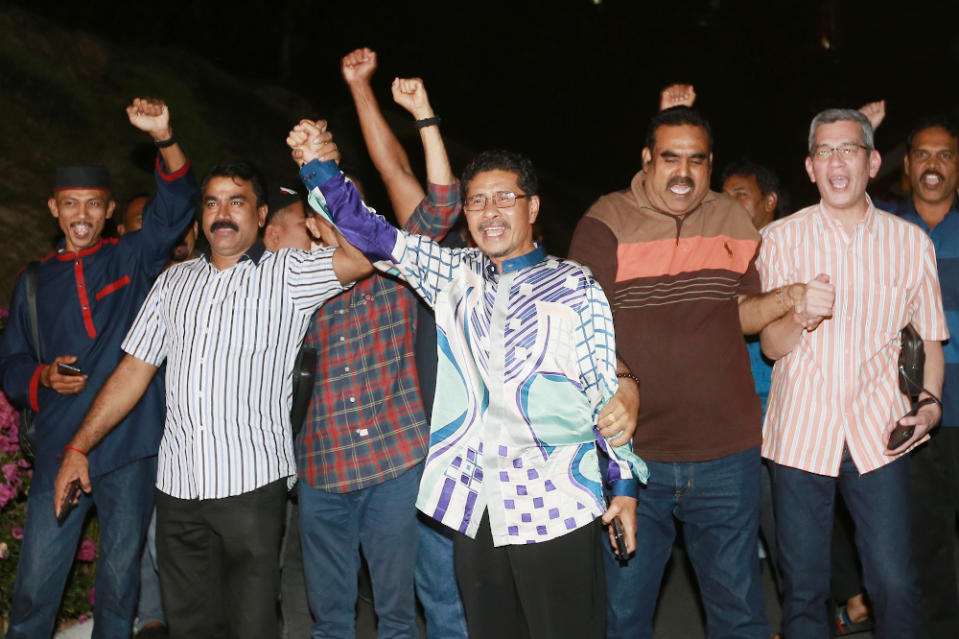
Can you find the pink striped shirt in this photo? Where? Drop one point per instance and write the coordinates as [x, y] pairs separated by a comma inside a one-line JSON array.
[[839, 385]]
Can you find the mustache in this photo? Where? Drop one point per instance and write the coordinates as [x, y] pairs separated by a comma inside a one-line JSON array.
[[932, 172], [681, 180], [224, 224]]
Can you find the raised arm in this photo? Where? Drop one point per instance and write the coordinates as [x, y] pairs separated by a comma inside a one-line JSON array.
[[385, 150], [152, 116], [677, 95], [122, 390]]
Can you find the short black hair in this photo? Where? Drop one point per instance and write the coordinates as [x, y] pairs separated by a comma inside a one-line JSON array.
[[677, 116], [499, 160], [940, 120], [242, 170], [766, 179]]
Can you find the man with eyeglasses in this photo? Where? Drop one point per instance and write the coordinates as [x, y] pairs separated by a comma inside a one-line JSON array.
[[835, 399], [677, 262], [526, 367]]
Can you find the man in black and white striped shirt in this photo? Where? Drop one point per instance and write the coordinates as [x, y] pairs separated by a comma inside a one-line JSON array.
[[229, 326]]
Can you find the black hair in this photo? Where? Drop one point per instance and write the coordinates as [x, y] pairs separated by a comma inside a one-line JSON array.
[[766, 179], [677, 116], [927, 122], [499, 160], [242, 170]]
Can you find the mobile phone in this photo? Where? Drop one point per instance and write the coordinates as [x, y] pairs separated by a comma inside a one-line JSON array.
[[901, 433], [67, 505], [620, 536], [68, 369]]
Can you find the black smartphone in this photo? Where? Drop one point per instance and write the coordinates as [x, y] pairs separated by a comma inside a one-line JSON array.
[[901, 433], [67, 505], [620, 536], [68, 369]]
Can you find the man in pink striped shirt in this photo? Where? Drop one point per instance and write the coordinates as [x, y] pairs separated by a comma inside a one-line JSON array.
[[835, 397]]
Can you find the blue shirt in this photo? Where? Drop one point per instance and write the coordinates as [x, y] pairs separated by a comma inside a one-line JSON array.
[[86, 301], [945, 239]]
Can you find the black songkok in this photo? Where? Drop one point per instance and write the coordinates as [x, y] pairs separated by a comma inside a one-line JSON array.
[[80, 176]]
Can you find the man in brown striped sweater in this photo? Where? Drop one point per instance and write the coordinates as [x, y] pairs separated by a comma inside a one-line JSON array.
[[676, 261]]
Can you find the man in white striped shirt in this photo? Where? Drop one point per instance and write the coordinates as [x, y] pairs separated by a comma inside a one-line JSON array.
[[835, 398], [229, 325]]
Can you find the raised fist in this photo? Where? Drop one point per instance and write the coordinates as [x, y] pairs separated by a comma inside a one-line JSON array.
[[677, 95], [875, 112], [410, 94], [358, 66], [151, 116]]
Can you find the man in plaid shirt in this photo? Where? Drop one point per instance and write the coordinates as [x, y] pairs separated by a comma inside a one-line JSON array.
[[360, 454]]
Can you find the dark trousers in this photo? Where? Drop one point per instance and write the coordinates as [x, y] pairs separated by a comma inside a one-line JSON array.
[[879, 504], [553, 589], [935, 500], [219, 560]]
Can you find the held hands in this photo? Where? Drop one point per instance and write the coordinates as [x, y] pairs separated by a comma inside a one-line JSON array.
[[64, 384], [309, 140], [677, 95], [617, 420], [151, 116], [75, 466], [817, 302], [358, 66], [410, 93]]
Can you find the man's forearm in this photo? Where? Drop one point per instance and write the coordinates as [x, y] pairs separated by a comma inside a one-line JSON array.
[[779, 337], [757, 311], [935, 368], [116, 399]]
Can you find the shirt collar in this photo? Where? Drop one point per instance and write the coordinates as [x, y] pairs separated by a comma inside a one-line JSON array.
[[867, 224], [538, 254], [254, 253]]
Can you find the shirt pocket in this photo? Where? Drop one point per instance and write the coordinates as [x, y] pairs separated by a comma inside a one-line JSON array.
[[112, 287]]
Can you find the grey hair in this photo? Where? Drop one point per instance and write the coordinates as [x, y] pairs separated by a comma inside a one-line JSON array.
[[830, 116]]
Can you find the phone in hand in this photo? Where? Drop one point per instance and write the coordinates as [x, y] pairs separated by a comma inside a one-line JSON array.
[[901, 433], [620, 536], [67, 505], [68, 369]]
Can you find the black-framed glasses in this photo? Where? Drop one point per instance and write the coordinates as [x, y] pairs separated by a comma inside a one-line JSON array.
[[502, 200], [844, 151]]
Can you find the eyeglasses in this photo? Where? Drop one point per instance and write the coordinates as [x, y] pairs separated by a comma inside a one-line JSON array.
[[502, 200], [845, 151]]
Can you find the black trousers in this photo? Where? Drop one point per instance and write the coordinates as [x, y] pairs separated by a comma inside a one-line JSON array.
[[218, 561], [549, 590], [935, 501]]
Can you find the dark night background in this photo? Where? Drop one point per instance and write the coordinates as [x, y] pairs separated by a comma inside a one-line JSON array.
[[571, 83]]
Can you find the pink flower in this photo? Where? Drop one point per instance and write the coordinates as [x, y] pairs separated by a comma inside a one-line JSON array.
[[16, 532], [6, 495], [92, 593], [87, 550]]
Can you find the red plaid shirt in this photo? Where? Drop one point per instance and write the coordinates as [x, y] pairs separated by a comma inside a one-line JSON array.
[[366, 423]]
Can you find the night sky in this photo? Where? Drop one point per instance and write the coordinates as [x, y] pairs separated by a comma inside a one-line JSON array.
[[572, 83]]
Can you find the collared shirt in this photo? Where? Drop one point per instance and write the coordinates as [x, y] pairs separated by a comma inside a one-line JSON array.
[[527, 359], [230, 338], [839, 385], [366, 423], [945, 238]]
